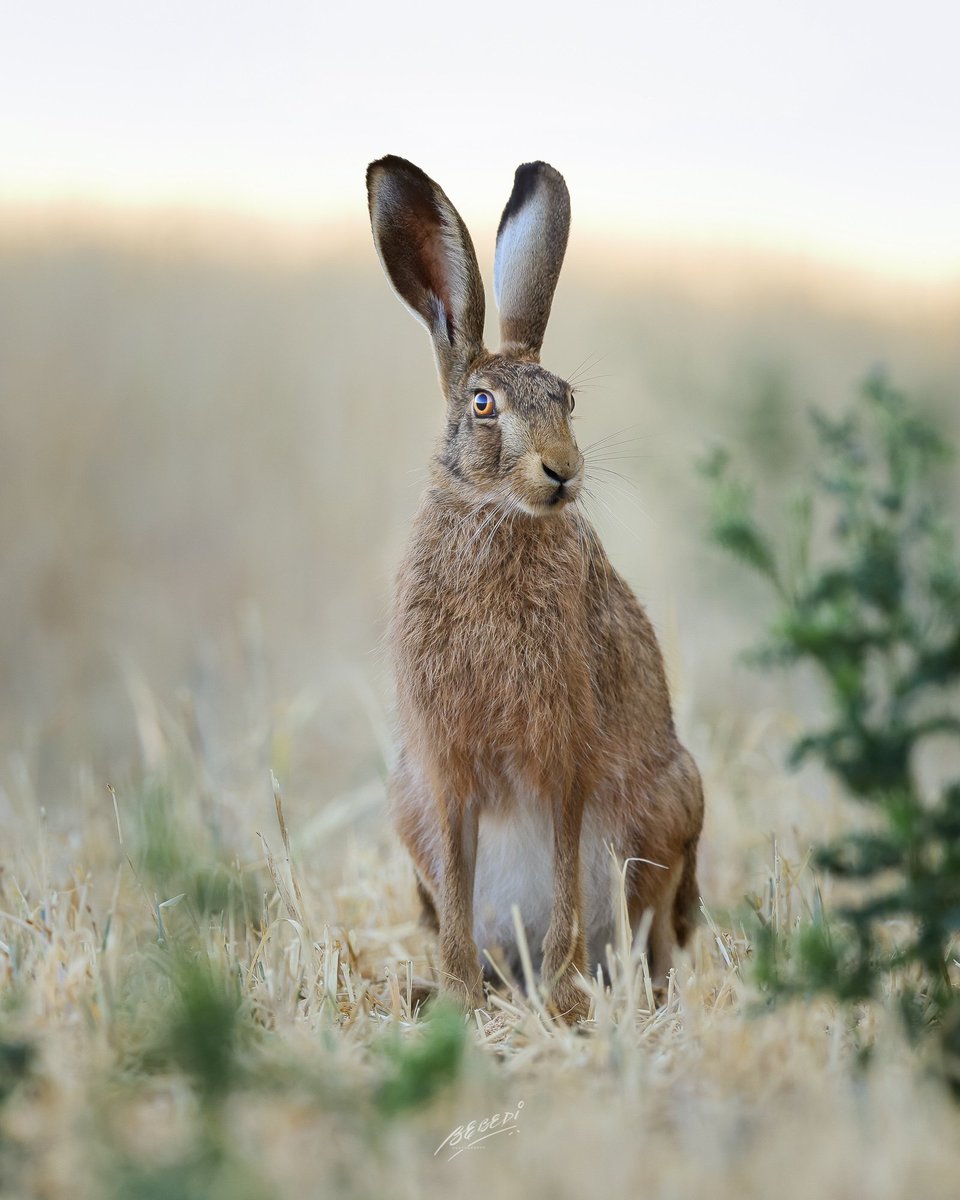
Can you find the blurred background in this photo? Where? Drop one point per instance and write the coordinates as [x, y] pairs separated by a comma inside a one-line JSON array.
[[215, 417]]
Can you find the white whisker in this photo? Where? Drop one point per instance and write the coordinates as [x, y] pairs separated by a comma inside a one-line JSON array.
[[605, 441]]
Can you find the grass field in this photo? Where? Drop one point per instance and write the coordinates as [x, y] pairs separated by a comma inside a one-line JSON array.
[[209, 454]]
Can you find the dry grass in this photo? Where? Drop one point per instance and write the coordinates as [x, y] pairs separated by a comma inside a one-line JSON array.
[[205, 479], [320, 969]]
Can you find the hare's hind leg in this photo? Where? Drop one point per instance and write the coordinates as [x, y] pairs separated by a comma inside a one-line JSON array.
[[412, 820], [670, 888], [689, 790], [674, 914], [687, 902], [652, 889]]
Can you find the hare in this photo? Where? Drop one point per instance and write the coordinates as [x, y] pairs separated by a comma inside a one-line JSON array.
[[535, 726]]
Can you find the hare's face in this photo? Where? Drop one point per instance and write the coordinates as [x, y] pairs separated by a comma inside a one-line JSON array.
[[509, 438]]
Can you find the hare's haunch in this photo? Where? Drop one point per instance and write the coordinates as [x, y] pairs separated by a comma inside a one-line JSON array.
[[535, 726]]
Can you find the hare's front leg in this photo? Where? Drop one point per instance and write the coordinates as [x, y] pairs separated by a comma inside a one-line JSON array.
[[461, 977], [565, 945]]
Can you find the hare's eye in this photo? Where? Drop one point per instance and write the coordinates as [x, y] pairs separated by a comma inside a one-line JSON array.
[[484, 405]]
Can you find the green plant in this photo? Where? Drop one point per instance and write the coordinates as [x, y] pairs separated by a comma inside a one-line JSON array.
[[189, 1018], [16, 1060], [419, 1068], [868, 588], [177, 858]]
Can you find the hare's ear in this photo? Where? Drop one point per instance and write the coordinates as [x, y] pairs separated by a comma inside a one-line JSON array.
[[531, 242], [429, 258]]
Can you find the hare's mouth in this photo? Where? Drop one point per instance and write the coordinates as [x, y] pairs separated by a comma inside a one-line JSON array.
[[560, 496], [550, 502], [565, 492]]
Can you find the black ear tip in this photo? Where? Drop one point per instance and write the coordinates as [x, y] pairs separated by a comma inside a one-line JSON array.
[[395, 164], [389, 161], [532, 171], [526, 180]]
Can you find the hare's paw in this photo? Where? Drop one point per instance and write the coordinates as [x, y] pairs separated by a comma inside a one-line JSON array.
[[464, 997], [461, 981], [568, 1001]]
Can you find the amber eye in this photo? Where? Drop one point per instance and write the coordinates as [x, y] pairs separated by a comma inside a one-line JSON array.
[[484, 405]]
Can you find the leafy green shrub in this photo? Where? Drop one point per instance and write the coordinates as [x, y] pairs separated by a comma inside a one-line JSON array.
[[876, 610]]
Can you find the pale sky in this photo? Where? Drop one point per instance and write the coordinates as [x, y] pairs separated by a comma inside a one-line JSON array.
[[828, 128]]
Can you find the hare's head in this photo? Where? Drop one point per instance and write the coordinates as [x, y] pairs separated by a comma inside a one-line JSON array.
[[508, 434]]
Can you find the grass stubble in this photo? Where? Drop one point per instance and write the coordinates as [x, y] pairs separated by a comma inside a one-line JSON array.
[[185, 1015]]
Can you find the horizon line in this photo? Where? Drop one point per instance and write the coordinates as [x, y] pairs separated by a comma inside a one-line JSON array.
[[268, 236]]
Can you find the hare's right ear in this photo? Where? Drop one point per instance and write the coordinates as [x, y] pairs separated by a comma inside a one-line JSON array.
[[531, 242], [429, 258]]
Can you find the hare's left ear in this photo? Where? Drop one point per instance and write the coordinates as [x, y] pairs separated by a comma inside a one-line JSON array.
[[531, 242], [429, 258]]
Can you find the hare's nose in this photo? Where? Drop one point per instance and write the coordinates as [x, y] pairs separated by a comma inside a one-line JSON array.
[[559, 468]]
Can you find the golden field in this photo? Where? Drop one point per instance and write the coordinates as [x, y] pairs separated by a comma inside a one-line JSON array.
[[210, 448]]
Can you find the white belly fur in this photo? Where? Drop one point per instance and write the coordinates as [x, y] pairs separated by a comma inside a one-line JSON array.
[[515, 866]]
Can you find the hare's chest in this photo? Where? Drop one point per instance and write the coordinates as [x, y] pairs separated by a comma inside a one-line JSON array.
[[503, 636], [491, 659]]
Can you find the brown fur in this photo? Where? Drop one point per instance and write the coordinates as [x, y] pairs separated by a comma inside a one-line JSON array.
[[528, 675]]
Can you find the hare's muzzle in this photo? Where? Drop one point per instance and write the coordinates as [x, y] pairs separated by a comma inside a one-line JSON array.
[[553, 478]]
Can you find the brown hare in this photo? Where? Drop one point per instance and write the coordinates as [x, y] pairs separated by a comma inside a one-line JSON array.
[[535, 725]]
